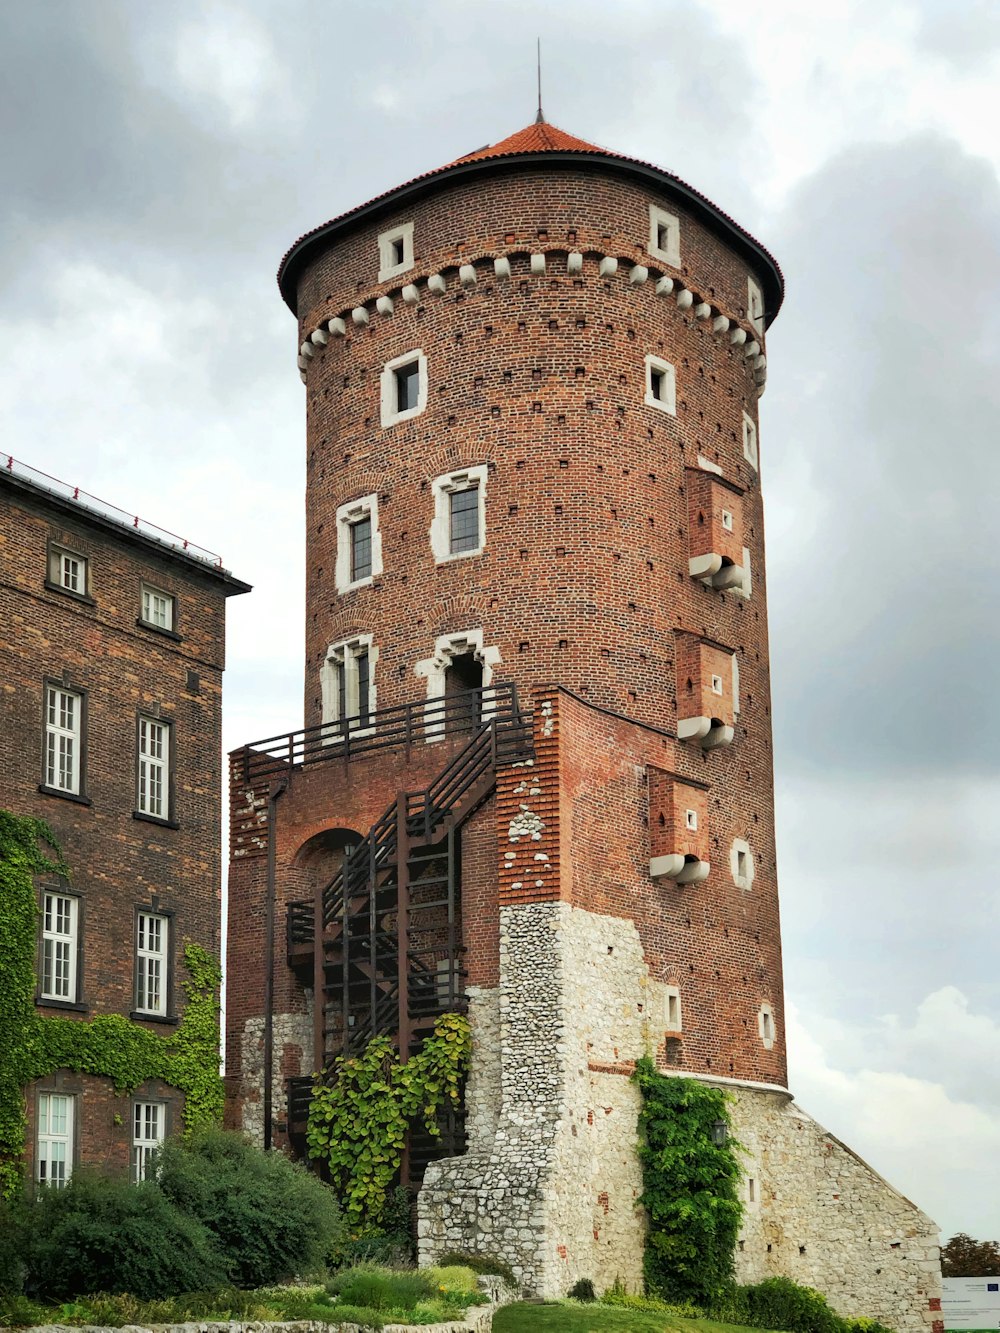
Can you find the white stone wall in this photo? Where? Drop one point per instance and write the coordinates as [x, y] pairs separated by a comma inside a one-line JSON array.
[[823, 1217], [295, 1030], [551, 1179]]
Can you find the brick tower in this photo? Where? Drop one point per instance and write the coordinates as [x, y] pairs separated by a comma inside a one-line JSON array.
[[535, 776]]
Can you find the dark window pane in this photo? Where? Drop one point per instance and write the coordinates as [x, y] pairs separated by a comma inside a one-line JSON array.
[[398, 251], [341, 690], [363, 683], [407, 386], [465, 520], [361, 549]]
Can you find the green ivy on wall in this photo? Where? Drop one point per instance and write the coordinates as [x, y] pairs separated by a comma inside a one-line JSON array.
[[109, 1045], [690, 1187], [358, 1120]]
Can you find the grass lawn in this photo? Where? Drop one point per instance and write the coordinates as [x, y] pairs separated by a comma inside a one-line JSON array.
[[595, 1319]]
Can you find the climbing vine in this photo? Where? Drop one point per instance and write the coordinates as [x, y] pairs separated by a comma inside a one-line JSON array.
[[109, 1045], [690, 1187], [360, 1113]]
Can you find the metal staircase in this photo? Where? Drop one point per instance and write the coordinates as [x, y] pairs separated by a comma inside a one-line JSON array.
[[389, 959]]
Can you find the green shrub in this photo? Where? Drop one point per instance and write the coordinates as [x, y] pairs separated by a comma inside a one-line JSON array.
[[732, 1306], [487, 1264], [866, 1326], [20, 1312], [353, 1314], [379, 1289], [582, 1290], [779, 1303], [102, 1233], [394, 1251], [617, 1294], [271, 1218], [12, 1240]]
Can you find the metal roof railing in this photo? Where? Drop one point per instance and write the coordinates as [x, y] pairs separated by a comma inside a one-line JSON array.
[[53, 486]]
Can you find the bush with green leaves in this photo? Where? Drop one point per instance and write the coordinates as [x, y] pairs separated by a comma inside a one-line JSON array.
[[102, 1233], [780, 1303], [270, 1218], [487, 1264]]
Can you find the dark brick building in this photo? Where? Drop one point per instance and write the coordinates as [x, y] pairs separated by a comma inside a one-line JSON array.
[[112, 647], [535, 779]]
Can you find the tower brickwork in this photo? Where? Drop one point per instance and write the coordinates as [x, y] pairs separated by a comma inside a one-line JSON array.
[[534, 513]]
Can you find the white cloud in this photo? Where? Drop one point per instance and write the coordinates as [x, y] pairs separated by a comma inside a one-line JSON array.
[[224, 56]]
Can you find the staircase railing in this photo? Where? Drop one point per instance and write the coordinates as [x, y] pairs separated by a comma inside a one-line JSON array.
[[387, 728]]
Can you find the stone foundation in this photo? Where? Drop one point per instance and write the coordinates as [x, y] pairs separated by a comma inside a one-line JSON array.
[[551, 1179], [291, 1055]]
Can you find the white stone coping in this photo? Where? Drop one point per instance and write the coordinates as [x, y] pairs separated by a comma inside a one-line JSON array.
[[608, 265]]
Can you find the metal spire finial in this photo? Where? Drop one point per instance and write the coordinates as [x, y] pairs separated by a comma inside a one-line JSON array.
[[540, 118]]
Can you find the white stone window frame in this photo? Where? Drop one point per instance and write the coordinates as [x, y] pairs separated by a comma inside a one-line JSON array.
[[59, 978], [443, 488], [346, 653], [766, 1026], [755, 304], [149, 1120], [691, 821], [155, 601], [661, 217], [434, 670], [390, 415], [356, 511], [152, 955], [54, 1139], [668, 403], [750, 440], [388, 266], [742, 877], [672, 1015]]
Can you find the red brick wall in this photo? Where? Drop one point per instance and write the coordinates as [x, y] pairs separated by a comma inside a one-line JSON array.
[[95, 646]]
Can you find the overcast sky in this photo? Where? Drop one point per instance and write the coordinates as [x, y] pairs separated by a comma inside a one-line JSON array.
[[157, 160]]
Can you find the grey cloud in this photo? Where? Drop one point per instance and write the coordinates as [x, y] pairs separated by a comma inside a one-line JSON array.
[[884, 366], [965, 35]]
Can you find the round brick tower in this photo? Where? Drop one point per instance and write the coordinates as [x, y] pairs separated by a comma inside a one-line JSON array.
[[533, 503]]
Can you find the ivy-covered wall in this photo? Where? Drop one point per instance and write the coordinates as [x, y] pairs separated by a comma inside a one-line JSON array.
[[109, 1045]]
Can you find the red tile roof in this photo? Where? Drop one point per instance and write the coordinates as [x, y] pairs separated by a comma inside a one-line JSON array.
[[541, 137]]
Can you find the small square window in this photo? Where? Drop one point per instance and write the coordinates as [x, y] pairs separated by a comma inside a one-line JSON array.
[[691, 819], [664, 236], [68, 570], [395, 251], [716, 684], [727, 519], [404, 388], [755, 305], [661, 385], [157, 607]]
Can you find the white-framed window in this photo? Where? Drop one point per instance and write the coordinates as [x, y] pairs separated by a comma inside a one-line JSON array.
[[156, 607], [403, 388], [664, 236], [60, 945], [766, 1026], [347, 681], [153, 776], [741, 863], [749, 440], [63, 738], [68, 570], [661, 385], [717, 686], [152, 939], [727, 520], [54, 1140], [672, 1009], [148, 1120], [755, 305], [691, 820], [459, 525], [359, 544], [395, 251]]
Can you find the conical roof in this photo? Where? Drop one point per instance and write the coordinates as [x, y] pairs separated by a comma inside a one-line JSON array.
[[540, 139]]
